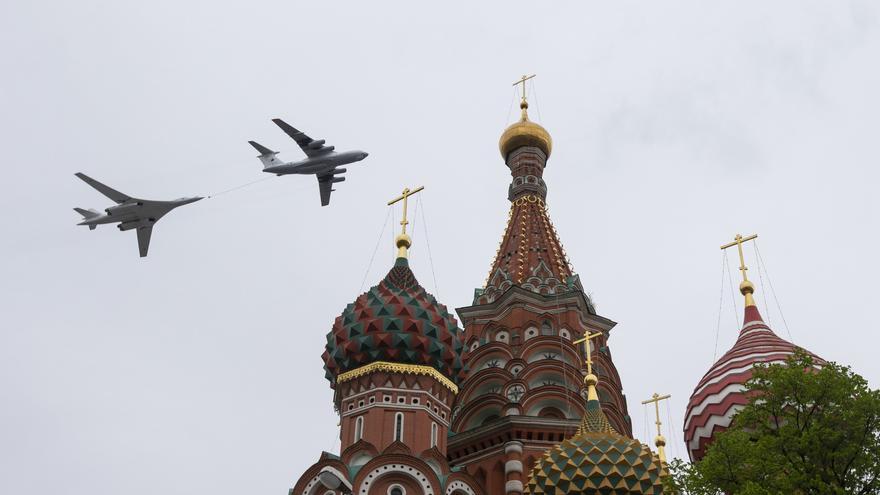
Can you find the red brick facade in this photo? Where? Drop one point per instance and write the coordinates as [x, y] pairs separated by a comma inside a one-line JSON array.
[[521, 387]]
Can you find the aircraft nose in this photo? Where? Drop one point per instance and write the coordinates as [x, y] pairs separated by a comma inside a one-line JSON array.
[[366, 154]]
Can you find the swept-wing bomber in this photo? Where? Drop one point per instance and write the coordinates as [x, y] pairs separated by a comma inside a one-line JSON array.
[[130, 213], [321, 160]]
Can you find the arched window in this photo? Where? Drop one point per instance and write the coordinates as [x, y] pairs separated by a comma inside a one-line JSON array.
[[433, 434], [396, 490], [491, 417], [398, 427], [551, 412], [546, 328], [358, 428]]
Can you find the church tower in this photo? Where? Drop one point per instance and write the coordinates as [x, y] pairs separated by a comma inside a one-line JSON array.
[[393, 359], [523, 387]]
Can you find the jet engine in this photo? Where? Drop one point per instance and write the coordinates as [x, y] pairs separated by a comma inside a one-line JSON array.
[[339, 171], [128, 225], [317, 144], [123, 208], [337, 179]]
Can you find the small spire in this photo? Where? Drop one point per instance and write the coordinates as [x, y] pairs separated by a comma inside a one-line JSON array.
[[403, 241], [746, 288], [659, 440], [594, 421]]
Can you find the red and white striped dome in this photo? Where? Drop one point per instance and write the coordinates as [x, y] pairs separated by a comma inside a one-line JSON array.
[[721, 392]]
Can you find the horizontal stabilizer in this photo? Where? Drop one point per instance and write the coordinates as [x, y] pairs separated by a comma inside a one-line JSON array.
[[262, 149], [90, 213], [267, 156]]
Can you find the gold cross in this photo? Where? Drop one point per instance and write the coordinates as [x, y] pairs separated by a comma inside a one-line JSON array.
[[522, 81], [405, 197], [656, 398], [738, 242], [587, 337], [659, 441]]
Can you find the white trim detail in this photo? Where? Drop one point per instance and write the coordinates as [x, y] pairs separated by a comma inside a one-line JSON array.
[[513, 446], [410, 471], [311, 484], [398, 486], [513, 467], [317, 480], [358, 428], [459, 485], [513, 486], [434, 435]]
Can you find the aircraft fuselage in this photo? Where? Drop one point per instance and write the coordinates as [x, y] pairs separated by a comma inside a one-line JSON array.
[[136, 213], [317, 164]]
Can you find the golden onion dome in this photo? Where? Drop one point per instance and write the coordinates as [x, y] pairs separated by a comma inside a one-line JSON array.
[[524, 132]]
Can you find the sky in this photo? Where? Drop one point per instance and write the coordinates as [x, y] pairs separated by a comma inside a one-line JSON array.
[[676, 125]]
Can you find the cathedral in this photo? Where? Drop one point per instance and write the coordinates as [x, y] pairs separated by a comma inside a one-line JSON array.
[[518, 395]]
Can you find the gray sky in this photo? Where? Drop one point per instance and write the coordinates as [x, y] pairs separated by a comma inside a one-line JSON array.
[[197, 370]]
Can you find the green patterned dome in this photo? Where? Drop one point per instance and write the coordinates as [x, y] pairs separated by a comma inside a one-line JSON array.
[[597, 460], [396, 321]]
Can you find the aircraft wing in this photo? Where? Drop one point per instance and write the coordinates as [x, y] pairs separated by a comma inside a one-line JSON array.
[[326, 187], [326, 181], [144, 234], [105, 190], [309, 146]]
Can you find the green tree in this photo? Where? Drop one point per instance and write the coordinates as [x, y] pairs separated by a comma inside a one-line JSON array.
[[805, 430]]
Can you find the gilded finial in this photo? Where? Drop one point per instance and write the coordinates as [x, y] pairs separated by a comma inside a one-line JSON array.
[[659, 440], [404, 241], [746, 287], [524, 104], [590, 380], [524, 132]]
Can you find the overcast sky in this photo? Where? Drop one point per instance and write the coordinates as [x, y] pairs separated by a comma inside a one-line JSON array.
[[197, 370]]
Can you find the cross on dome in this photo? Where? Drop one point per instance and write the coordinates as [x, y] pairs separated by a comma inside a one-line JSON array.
[[746, 287], [660, 441], [404, 241], [522, 81]]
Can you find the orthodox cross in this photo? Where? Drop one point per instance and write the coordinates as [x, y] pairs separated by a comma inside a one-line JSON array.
[[660, 441], [738, 242], [405, 197], [586, 340], [656, 398], [522, 81]]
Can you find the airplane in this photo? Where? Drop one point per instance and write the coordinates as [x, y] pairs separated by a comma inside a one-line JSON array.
[[130, 213], [320, 160]]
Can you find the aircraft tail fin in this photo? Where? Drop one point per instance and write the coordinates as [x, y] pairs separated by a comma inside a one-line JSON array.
[[87, 215], [267, 156]]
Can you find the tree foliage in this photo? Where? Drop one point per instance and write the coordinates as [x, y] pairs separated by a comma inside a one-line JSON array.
[[805, 430]]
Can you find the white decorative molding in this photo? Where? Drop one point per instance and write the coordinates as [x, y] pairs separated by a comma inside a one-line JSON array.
[[458, 485], [513, 467], [513, 446], [513, 486], [398, 486], [410, 471], [317, 479]]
